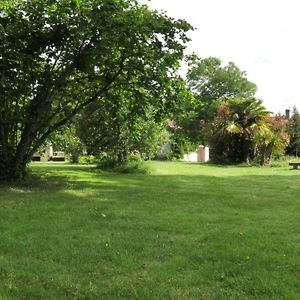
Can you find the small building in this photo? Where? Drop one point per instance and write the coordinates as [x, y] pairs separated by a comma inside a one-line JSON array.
[[49, 155], [201, 155]]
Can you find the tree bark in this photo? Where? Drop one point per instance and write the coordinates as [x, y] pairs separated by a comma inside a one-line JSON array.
[[246, 145], [8, 169]]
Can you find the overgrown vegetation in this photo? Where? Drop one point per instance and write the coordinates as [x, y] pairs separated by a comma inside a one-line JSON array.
[[133, 164]]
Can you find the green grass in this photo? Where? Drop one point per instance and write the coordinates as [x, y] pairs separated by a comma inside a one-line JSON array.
[[187, 231]]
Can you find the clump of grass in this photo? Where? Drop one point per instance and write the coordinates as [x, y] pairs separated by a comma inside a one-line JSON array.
[[282, 161], [134, 164], [90, 159]]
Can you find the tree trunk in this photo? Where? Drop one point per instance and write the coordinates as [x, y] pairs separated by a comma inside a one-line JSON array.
[[13, 162], [121, 157], [263, 156], [246, 146], [9, 170]]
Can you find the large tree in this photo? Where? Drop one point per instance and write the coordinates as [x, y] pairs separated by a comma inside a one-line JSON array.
[[270, 139], [123, 126], [56, 57], [244, 131], [293, 128], [231, 134], [212, 83]]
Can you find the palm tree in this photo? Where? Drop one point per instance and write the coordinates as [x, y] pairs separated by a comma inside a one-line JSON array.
[[244, 117]]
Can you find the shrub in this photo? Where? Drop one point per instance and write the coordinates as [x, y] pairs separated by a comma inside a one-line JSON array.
[[88, 159], [133, 164]]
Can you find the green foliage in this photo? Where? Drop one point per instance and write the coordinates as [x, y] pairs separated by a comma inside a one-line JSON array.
[[57, 57], [88, 159], [270, 139], [184, 133], [75, 149], [151, 138], [65, 139], [209, 84], [241, 131], [293, 128], [213, 83], [122, 127], [180, 145], [133, 164]]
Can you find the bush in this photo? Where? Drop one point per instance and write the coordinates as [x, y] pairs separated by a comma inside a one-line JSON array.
[[282, 162], [88, 159], [133, 164]]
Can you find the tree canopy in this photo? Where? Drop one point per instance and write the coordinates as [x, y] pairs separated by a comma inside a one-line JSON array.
[[213, 83], [210, 83], [244, 131], [57, 57], [293, 128], [122, 127]]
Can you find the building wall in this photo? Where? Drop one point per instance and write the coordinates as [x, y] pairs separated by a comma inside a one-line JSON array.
[[201, 155]]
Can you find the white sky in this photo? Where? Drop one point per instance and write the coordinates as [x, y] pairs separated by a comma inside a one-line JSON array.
[[262, 37]]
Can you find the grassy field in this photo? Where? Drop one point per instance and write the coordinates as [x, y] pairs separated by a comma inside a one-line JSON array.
[[187, 231]]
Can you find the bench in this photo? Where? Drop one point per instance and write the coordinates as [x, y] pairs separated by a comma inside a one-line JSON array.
[[294, 164]]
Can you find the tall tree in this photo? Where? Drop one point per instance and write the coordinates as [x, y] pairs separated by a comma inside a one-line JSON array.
[[122, 127], [56, 57], [293, 128], [211, 83], [231, 134], [270, 139]]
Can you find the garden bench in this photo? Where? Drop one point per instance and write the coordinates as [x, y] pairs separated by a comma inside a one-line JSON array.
[[295, 164]]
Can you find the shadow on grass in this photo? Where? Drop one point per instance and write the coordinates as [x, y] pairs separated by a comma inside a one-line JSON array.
[[239, 165], [65, 178], [52, 176], [182, 225]]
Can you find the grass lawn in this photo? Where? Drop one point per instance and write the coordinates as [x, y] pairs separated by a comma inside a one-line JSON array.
[[187, 231]]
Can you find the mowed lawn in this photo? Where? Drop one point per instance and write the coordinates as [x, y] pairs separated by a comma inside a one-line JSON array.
[[187, 231]]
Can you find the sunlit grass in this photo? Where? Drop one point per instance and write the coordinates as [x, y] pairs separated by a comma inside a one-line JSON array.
[[187, 231]]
